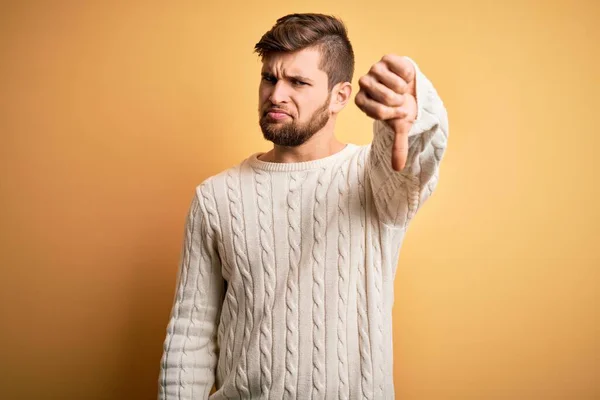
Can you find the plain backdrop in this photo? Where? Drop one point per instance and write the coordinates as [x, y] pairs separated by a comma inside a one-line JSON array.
[[112, 112]]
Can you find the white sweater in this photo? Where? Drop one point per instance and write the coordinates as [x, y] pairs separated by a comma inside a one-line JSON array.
[[285, 286]]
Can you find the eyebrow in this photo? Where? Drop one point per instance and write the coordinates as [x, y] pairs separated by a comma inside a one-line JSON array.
[[297, 77]]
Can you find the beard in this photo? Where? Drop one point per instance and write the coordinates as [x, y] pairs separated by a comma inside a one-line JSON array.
[[293, 133]]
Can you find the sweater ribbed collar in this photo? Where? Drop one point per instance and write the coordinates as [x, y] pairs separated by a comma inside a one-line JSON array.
[[304, 165]]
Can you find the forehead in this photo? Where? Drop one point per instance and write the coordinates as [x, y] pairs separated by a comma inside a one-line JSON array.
[[302, 62]]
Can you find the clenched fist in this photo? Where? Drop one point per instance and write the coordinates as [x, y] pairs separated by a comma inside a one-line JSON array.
[[388, 93]]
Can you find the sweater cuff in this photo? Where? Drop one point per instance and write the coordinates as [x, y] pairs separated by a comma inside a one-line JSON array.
[[427, 103]]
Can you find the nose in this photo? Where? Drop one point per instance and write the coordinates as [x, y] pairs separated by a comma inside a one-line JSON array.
[[279, 93]]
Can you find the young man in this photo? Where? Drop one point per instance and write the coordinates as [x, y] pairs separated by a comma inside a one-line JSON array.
[[285, 287]]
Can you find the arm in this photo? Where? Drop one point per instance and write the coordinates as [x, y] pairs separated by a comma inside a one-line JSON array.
[[399, 194], [189, 359]]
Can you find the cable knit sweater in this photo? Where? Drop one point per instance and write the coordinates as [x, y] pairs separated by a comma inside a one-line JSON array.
[[285, 285]]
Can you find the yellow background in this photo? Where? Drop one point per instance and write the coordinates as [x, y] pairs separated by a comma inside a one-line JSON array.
[[112, 112]]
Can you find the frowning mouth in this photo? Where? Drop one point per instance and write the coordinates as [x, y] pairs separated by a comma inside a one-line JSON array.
[[277, 114]]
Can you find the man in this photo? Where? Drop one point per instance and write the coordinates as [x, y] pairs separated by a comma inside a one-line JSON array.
[[285, 287]]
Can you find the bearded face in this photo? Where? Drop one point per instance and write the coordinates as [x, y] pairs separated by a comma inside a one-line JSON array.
[[294, 100]]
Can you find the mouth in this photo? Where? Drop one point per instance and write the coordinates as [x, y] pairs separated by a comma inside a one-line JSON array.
[[277, 114]]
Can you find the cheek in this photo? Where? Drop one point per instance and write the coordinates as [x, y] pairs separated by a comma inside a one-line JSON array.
[[306, 109], [263, 94]]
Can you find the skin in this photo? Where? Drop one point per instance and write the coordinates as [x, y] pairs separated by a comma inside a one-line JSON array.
[[293, 83]]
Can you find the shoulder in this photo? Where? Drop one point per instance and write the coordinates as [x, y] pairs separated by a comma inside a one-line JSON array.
[[212, 188]]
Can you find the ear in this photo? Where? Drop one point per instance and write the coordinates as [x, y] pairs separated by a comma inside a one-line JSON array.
[[340, 95]]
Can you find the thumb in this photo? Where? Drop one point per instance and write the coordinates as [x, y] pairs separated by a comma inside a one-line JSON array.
[[400, 148]]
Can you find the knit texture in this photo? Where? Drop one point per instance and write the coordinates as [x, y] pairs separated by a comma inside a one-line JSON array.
[[285, 282]]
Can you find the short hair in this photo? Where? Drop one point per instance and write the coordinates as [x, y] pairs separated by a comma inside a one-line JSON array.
[[295, 32]]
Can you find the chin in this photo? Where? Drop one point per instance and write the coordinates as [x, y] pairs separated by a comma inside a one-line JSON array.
[[283, 138]]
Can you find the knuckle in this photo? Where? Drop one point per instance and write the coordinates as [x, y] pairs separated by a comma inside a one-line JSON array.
[[390, 58], [359, 99], [377, 68], [401, 85], [380, 111], [401, 99], [388, 97]]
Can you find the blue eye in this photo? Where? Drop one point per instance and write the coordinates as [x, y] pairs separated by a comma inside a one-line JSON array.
[[299, 83]]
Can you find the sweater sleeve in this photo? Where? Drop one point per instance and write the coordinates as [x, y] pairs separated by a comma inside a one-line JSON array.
[[399, 194], [189, 360]]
